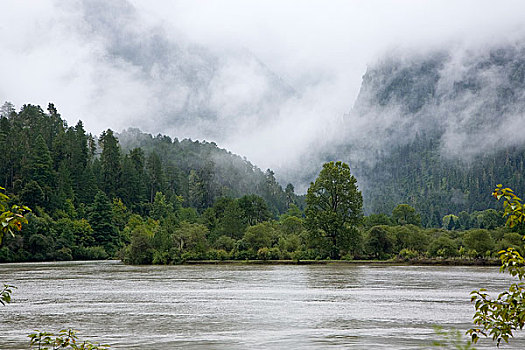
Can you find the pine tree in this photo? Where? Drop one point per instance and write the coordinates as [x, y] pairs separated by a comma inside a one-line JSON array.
[[101, 220], [110, 163], [155, 175]]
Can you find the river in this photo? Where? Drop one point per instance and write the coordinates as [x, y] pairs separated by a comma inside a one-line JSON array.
[[243, 306]]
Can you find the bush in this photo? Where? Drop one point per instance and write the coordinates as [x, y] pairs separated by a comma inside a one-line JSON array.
[[274, 253], [6, 255], [263, 253], [225, 243], [194, 256], [310, 254], [247, 254], [410, 237], [40, 246], [161, 258], [260, 236], [378, 242], [479, 240], [95, 253], [289, 243], [408, 254], [286, 255], [218, 254], [443, 247], [63, 254]]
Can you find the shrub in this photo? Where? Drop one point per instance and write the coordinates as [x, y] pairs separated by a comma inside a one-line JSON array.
[[63, 254], [378, 242], [408, 254], [263, 253], [443, 247], [161, 258], [274, 253], [479, 240], [218, 254], [247, 254], [225, 243]]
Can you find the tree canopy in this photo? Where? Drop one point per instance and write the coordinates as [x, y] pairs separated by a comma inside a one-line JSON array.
[[334, 206]]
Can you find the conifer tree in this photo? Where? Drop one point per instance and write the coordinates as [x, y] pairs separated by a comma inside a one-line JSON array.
[[155, 175], [101, 220], [110, 163]]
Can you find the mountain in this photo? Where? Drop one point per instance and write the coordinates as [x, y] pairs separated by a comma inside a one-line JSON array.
[[218, 172], [175, 85], [50, 165], [438, 130]]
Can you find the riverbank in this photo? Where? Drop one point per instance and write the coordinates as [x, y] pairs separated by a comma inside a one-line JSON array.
[[393, 262]]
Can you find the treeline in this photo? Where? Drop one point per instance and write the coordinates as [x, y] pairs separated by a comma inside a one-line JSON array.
[[419, 175], [84, 189], [158, 200], [242, 229]]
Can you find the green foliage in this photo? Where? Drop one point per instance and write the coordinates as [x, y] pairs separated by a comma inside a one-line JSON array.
[[443, 247], [218, 254], [410, 237], [32, 194], [59, 171], [144, 238], [451, 222], [160, 208], [451, 339], [101, 220], [225, 243], [376, 220], [5, 294], [292, 225], [510, 240], [254, 209], [191, 238], [11, 219], [415, 173], [40, 166], [404, 214], [120, 213], [499, 317], [334, 207], [408, 254], [140, 251], [293, 210], [110, 160], [514, 210], [478, 240], [231, 222], [263, 235], [89, 205], [64, 339], [378, 242]]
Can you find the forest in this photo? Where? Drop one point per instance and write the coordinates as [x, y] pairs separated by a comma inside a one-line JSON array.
[[155, 200]]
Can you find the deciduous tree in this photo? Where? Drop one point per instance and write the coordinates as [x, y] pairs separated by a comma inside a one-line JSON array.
[[334, 206]]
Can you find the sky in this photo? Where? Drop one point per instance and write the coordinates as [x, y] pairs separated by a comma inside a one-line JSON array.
[[270, 80]]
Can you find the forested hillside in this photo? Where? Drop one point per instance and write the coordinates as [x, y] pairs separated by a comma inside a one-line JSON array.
[[439, 130], [417, 174], [83, 188]]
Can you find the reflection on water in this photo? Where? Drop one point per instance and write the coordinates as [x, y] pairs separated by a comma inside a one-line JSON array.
[[239, 306]]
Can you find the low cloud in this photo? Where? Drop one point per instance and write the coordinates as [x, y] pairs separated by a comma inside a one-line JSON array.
[[273, 81]]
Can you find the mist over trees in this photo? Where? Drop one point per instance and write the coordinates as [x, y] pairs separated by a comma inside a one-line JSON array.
[[434, 129], [84, 189], [152, 199]]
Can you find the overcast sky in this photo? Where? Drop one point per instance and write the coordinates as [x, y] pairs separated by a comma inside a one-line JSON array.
[[105, 62]]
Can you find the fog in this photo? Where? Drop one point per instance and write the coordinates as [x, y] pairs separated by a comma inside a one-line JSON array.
[[270, 80]]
